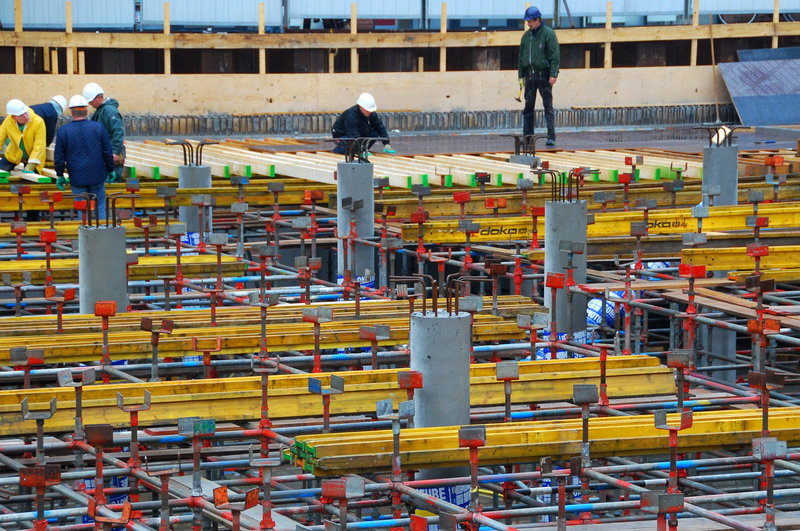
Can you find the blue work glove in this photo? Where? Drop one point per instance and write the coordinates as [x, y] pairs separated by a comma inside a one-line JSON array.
[[388, 150], [111, 177], [61, 182]]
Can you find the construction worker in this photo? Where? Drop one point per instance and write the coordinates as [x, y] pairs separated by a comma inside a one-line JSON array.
[[538, 70], [361, 121], [49, 112], [83, 149], [25, 133], [107, 114]]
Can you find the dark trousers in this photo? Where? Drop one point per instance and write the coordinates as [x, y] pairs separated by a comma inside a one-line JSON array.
[[5, 165], [538, 81]]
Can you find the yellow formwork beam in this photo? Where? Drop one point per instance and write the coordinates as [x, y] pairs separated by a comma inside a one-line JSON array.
[[736, 258], [127, 344], [359, 452], [68, 230], [148, 268], [664, 221], [239, 399], [507, 306], [256, 193]]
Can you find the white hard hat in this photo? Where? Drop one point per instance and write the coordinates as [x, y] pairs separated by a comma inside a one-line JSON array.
[[91, 90], [16, 108], [61, 101], [78, 101], [367, 101]]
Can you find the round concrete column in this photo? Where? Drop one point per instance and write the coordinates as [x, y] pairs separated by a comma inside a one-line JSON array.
[[354, 182], [565, 221], [102, 263], [439, 345], [193, 177]]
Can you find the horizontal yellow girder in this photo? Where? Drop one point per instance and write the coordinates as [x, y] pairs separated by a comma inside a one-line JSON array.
[[80, 347], [359, 452], [255, 193], [148, 268], [239, 399], [736, 258], [663, 221], [508, 306]]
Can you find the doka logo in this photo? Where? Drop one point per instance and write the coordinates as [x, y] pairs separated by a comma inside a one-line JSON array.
[[666, 224], [504, 231]]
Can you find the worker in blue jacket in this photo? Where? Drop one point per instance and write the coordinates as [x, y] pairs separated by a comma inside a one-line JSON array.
[[49, 112], [83, 149], [361, 121]]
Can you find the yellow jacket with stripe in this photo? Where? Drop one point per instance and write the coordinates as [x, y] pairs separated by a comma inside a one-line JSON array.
[[33, 137]]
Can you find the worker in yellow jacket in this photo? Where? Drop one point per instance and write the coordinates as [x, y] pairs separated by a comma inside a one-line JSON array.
[[26, 136]]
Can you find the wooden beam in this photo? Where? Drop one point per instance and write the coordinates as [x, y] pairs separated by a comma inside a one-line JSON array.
[[81, 62], [54, 62], [695, 22], [18, 16], [443, 31], [331, 61], [46, 58], [607, 44], [353, 31], [776, 17], [587, 58], [262, 53], [70, 50], [38, 39], [420, 64], [19, 58], [167, 51]]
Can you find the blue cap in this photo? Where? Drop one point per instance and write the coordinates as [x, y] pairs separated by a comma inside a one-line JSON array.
[[532, 13]]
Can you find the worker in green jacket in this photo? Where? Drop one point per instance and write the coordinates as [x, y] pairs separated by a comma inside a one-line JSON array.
[[538, 70], [107, 114]]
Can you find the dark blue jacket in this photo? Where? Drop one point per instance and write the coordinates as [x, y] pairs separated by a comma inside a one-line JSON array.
[[47, 112], [84, 148], [353, 124]]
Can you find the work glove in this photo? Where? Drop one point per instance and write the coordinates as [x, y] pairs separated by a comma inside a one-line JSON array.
[[30, 167], [388, 150], [521, 83], [61, 182], [111, 177]]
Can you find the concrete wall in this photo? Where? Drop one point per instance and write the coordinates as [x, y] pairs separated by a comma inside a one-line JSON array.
[[406, 91]]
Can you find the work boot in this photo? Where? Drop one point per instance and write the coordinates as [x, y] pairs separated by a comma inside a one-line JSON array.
[[550, 142]]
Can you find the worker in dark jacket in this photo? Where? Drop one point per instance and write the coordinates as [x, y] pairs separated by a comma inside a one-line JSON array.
[[49, 112], [361, 121], [538, 62], [84, 150], [107, 113]]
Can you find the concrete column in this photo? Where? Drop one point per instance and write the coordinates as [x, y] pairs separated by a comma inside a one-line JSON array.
[[193, 177], [355, 181], [102, 266], [565, 221], [720, 168], [439, 346], [722, 343]]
